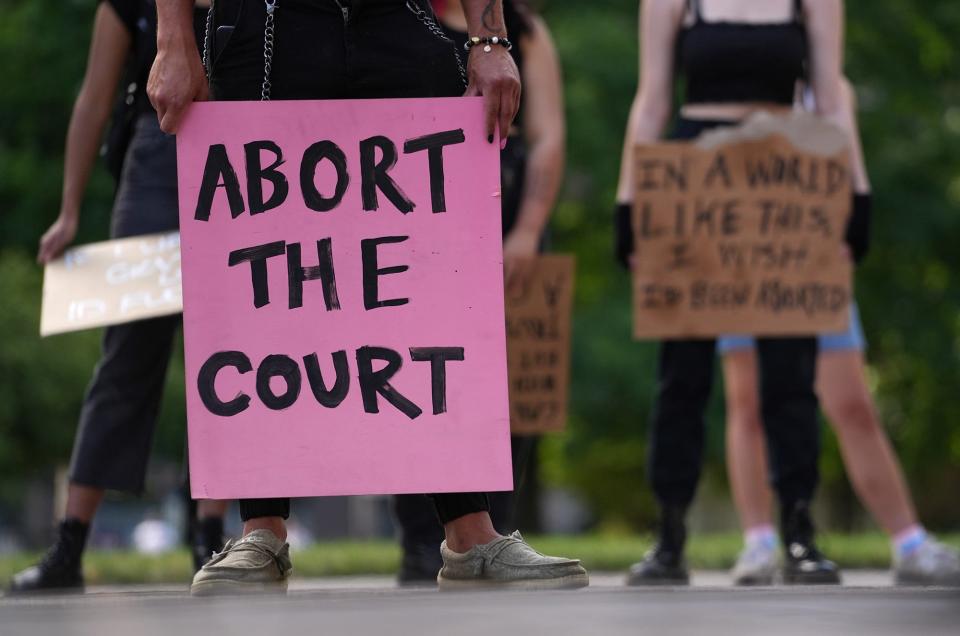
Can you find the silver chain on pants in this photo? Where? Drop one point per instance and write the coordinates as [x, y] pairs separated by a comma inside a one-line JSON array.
[[206, 40], [268, 49], [435, 29], [268, 41]]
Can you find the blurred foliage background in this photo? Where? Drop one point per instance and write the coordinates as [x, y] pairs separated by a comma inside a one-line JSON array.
[[903, 57]]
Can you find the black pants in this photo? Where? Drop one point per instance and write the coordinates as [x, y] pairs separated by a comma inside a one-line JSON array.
[[336, 50], [119, 414], [788, 407], [415, 514], [787, 368]]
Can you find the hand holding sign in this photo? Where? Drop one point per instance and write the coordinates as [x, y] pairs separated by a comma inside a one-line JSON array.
[[112, 282], [519, 258], [57, 238], [177, 77]]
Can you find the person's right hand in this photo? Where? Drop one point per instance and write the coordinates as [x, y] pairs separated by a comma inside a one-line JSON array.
[[177, 78], [56, 239]]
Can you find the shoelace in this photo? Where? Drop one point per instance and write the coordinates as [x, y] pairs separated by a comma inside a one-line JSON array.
[[248, 546], [802, 552], [936, 557], [58, 557]]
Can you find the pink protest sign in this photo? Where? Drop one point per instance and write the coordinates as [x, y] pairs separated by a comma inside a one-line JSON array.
[[343, 298]]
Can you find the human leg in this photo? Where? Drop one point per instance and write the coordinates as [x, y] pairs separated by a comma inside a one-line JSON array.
[[112, 444], [503, 505], [757, 563], [259, 561], [867, 454], [207, 531], [82, 502], [875, 471], [420, 539], [685, 377], [745, 443], [789, 414], [421, 534]]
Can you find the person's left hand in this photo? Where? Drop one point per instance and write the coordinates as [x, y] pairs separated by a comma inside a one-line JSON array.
[[519, 259], [494, 75], [56, 239]]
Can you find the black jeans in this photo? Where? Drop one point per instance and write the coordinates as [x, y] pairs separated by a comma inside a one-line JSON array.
[[418, 528], [787, 369], [119, 414], [336, 50]]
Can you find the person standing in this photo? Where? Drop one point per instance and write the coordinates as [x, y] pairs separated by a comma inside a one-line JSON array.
[[531, 169], [736, 57], [370, 49], [918, 558], [120, 408]]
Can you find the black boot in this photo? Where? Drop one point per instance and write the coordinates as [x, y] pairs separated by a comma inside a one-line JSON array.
[[803, 562], [60, 569], [421, 535], [664, 564], [420, 565], [207, 539]]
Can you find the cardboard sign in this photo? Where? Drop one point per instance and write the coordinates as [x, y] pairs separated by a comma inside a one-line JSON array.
[[538, 347], [343, 298], [743, 232], [112, 282]]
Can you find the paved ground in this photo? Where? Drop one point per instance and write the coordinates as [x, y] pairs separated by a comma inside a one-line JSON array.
[[370, 605]]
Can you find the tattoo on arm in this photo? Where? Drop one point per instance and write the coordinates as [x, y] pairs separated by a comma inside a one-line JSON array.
[[489, 16]]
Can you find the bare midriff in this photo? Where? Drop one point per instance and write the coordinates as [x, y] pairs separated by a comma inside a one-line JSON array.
[[731, 112]]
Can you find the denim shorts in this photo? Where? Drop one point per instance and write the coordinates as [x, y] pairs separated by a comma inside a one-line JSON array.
[[851, 339]]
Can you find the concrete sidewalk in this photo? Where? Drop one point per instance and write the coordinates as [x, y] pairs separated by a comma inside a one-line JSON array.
[[361, 606], [707, 579]]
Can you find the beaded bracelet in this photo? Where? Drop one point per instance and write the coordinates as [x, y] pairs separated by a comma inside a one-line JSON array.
[[487, 41]]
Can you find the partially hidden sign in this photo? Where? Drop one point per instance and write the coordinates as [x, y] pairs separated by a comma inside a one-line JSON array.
[[538, 346], [112, 282], [343, 298], [742, 232]]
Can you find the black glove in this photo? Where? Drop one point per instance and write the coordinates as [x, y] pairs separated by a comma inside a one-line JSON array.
[[623, 234], [858, 227]]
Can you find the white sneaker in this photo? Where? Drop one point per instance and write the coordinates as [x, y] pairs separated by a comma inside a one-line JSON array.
[[756, 565], [930, 563]]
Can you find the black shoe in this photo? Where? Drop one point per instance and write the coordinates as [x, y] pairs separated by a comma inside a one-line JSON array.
[[803, 563], [664, 564], [659, 567], [420, 566], [207, 539], [59, 570]]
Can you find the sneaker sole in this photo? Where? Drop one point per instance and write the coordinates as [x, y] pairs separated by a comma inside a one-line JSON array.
[[811, 579], [228, 587], [569, 582], [658, 582], [919, 581], [44, 591], [754, 580]]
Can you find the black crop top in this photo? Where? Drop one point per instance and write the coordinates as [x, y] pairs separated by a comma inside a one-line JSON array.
[[726, 61]]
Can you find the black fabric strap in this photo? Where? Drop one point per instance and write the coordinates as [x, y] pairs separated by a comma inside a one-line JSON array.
[[623, 234], [857, 233], [798, 10]]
